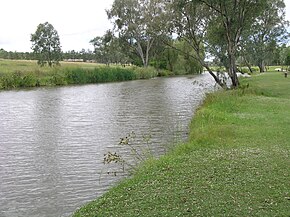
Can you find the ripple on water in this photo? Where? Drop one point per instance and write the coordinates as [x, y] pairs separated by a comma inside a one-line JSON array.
[[52, 140]]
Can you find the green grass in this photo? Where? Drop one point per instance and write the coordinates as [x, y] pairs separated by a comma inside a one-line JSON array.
[[30, 66], [236, 162], [21, 73]]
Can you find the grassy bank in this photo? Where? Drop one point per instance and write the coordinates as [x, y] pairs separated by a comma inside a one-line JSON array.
[[20, 73], [236, 162]]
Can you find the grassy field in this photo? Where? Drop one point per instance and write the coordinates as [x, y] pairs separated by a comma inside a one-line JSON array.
[[30, 66], [236, 162], [23, 73]]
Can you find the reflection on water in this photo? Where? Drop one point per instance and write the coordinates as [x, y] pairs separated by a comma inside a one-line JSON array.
[[52, 140]]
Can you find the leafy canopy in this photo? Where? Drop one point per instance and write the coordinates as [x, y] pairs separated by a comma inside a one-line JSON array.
[[46, 45]]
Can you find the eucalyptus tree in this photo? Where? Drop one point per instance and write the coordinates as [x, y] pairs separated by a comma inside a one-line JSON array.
[[287, 58], [190, 23], [46, 45], [100, 49], [215, 26], [108, 49], [135, 21], [285, 55], [267, 32], [164, 57], [234, 18]]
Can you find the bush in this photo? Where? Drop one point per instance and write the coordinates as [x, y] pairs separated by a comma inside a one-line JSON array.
[[75, 75], [29, 80], [245, 70], [58, 78], [255, 69], [145, 73], [98, 75]]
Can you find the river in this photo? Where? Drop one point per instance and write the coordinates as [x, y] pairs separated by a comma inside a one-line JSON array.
[[53, 140]]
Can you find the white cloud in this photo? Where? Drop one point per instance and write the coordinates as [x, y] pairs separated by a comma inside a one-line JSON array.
[[77, 22], [287, 3]]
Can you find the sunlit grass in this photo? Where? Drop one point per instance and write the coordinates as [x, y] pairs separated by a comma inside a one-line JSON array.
[[236, 162]]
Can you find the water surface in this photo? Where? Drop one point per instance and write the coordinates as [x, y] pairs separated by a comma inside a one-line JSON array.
[[52, 140]]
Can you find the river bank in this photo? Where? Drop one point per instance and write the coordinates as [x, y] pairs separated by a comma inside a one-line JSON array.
[[25, 73], [236, 162], [53, 139]]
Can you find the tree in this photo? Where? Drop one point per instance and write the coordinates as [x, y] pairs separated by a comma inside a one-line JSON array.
[[108, 49], [135, 21], [216, 27], [285, 56], [287, 60], [163, 56], [46, 45], [191, 22], [269, 29], [234, 17]]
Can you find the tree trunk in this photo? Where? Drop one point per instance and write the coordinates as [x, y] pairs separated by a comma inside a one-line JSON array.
[[233, 69], [261, 66], [141, 54], [147, 53], [169, 62], [217, 80], [248, 65], [148, 48]]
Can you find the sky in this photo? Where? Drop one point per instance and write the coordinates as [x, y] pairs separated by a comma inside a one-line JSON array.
[[76, 21]]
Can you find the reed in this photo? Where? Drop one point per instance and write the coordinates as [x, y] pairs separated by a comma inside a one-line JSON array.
[[21, 74]]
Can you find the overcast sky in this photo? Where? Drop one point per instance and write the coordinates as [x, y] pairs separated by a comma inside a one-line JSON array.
[[77, 21]]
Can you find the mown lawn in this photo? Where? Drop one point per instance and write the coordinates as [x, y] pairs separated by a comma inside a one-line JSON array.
[[236, 162]]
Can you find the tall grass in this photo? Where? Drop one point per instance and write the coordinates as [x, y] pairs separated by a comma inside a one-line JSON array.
[[19, 74]]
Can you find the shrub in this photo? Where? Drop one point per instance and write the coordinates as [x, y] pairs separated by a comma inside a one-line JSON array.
[[58, 78], [10, 81], [29, 80], [145, 73], [245, 70], [74, 75]]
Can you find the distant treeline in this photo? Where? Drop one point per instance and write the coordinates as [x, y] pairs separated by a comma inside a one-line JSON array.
[[83, 55]]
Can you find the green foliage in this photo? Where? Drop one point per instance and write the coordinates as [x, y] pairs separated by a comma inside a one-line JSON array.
[[17, 79], [186, 59], [232, 165], [29, 80], [178, 57], [247, 70], [287, 59], [108, 49], [225, 27], [16, 55], [29, 75], [101, 74], [267, 32], [145, 73], [8, 81], [46, 45], [136, 22]]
